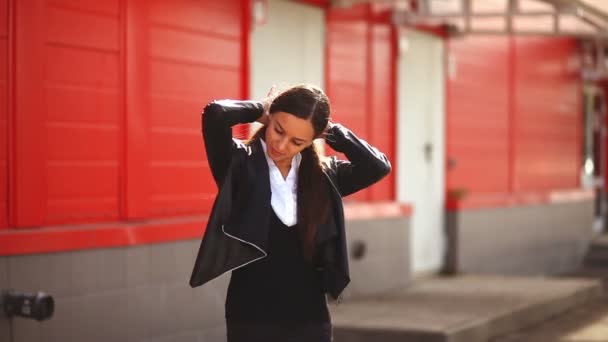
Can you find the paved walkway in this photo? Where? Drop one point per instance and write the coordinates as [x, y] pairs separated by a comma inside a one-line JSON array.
[[585, 324], [460, 309]]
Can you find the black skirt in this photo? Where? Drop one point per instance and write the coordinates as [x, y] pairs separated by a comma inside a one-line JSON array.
[[278, 332]]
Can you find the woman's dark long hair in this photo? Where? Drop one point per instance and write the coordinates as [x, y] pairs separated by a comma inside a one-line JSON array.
[[310, 103]]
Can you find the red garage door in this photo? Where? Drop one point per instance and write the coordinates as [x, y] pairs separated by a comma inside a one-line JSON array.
[[181, 55], [108, 101], [68, 111]]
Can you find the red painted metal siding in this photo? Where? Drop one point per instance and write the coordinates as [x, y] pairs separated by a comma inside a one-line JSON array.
[[478, 114], [360, 83], [548, 114], [381, 113], [514, 115], [68, 111], [4, 148], [108, 101], [191, 54]]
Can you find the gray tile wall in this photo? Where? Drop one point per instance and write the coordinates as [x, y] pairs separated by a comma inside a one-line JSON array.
[[120, 294], [142, 293], [4, 324], [385, 264], [533, 240]]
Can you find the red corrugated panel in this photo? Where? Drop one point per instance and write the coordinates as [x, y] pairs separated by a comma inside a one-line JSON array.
[[347, 49], [381, 116], [194, 57], [82, 113], [514, 115], [360, 82], [114, 131], [4, 114], [30, 133], [548, 107], [478, 114]]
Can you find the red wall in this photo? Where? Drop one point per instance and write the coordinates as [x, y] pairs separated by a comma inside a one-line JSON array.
[[184, 54], [478, 114], [4, 114], [514, 115], [360, 82], [68, 111], [549, 114], [107, 107], [102, 119]]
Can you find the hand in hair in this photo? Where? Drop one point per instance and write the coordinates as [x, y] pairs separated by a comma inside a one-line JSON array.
[[326, 130], [272, 94], [264, 119]]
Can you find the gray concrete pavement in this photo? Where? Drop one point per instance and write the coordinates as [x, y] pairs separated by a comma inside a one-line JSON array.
[[588, 323], [460, 309]]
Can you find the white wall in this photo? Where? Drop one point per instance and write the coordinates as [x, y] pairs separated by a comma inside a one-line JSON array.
[[421, 122], [288, 48]]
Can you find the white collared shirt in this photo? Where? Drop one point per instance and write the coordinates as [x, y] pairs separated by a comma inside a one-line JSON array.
[[284, 191]]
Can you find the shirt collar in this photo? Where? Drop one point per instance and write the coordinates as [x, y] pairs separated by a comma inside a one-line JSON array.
[[295, 162]]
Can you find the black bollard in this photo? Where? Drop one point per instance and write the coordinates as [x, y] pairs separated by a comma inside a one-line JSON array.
[[39, 306]]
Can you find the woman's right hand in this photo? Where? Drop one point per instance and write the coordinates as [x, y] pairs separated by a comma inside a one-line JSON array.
[[272, 94]]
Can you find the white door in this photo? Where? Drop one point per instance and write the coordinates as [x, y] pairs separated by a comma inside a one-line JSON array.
[[288, 48], [420, 145]]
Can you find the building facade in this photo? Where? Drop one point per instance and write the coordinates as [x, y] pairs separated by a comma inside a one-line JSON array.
[[105, 189]]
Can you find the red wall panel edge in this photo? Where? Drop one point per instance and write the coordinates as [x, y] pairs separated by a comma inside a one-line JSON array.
[[245, 41], [506, 200], [511, 102], [581, 116], [135, 195], [368, 194], [10, 214], [112, 235], [393, 120], [30, 115], [122, 169], [123, 234], [448, 112]]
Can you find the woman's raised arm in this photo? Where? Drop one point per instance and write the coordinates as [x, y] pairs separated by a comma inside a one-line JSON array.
[[217, 120], [365, 166]]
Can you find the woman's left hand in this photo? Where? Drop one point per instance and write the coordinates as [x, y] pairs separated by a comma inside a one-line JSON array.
[[326, 130]]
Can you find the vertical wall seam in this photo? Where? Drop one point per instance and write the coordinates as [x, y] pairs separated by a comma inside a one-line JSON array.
[[512, 121], [369, 78], [11, 126], [122, 170]]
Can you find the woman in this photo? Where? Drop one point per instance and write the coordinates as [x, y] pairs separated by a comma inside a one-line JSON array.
[[278, 222]]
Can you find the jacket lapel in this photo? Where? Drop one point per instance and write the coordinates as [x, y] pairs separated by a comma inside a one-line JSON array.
[[251, 218]]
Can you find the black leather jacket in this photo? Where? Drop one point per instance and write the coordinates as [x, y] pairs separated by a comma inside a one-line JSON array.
[[237, 229]]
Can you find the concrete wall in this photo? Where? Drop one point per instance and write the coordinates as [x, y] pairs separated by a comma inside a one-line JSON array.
[[543, 239], [385, 264], [142, 293], [121, 294]]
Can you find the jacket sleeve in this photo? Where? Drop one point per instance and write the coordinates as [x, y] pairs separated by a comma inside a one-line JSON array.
[[217, 120], [365, 166]]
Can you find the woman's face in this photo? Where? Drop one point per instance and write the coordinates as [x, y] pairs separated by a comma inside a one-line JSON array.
[[287, 135]]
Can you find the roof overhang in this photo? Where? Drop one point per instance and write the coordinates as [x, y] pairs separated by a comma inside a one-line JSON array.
[[586, 20], [578, 18]]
